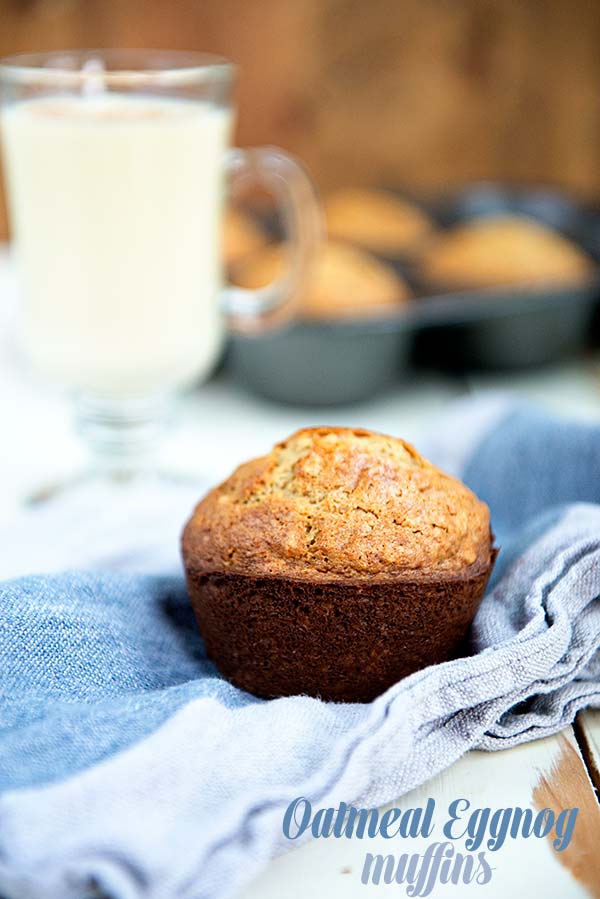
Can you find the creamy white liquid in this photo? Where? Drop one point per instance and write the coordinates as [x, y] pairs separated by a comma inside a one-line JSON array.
[[116, 204]]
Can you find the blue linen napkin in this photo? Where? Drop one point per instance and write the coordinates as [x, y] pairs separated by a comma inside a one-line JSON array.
[[130, 768]]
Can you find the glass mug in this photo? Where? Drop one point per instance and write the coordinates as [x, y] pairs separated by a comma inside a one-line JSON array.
[[115, 165]]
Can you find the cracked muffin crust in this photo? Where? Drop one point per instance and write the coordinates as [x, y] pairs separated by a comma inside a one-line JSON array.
[[335, 565], [338, 503]]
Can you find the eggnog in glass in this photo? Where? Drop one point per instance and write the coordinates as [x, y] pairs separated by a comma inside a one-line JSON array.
[[116, 164]]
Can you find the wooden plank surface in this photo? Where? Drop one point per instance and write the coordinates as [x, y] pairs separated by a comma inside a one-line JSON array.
[[545, 773], [588, 726]]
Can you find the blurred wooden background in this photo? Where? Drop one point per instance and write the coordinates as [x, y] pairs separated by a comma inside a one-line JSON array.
[[408, 92]]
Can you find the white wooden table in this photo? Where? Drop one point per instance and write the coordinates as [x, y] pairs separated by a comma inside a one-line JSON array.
[[38, 445]]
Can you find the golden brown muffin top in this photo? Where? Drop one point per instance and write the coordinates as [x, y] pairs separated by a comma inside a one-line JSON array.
[[503, 250], [376, 220], [337, 504], [344, 282]]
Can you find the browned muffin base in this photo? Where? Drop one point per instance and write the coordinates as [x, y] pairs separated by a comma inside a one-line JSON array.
[[346, 642]]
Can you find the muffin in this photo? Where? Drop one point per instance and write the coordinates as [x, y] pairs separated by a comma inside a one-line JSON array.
[[502, 251], [335, 565], [376, 220], [241, 236], [344, 282]]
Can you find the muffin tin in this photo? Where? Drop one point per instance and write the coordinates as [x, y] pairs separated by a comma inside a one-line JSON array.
[[334, 362]]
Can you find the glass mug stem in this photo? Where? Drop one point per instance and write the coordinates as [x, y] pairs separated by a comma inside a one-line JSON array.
[[121, 434]]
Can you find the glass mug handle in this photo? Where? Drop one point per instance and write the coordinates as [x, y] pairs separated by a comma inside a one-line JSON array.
[[250, 311]]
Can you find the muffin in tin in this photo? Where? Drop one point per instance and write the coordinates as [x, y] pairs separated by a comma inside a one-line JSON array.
[[499, 251], [377, 220], [334, 566], [344, 282]]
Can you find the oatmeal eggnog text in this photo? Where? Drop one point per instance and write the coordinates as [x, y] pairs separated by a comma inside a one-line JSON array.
[[472, 829]]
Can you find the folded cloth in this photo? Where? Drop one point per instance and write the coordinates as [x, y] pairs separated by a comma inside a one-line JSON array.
[[129, 768]]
